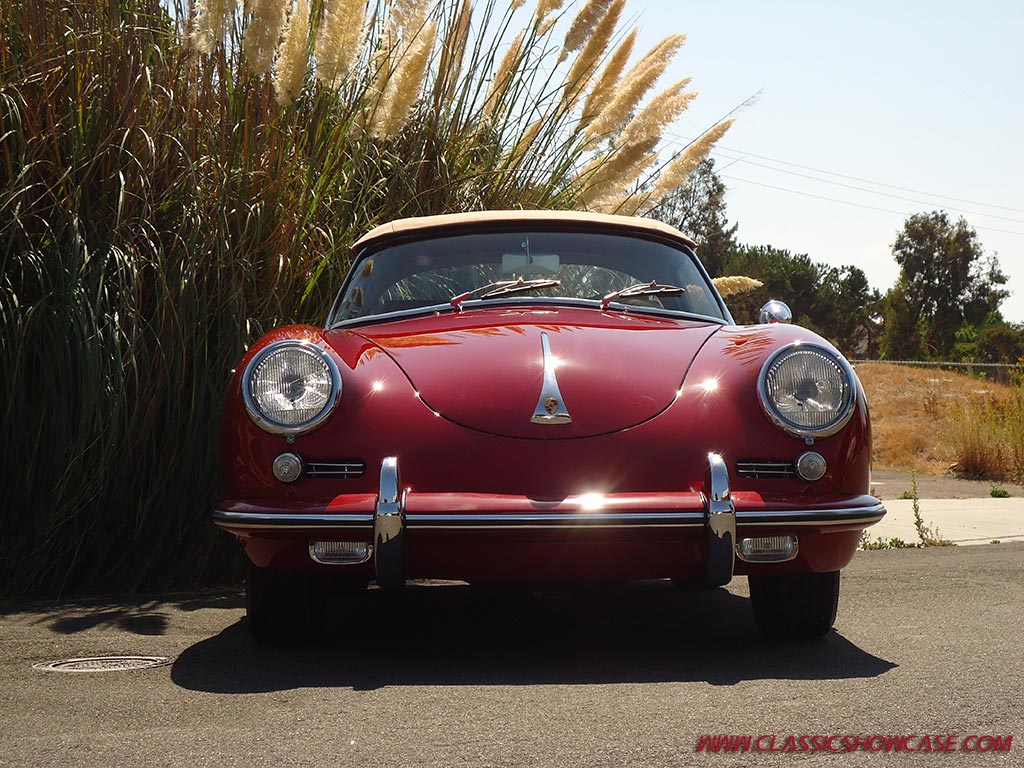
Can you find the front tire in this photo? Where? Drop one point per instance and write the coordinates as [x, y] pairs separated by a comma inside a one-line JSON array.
[[278, 606], [798, 606]]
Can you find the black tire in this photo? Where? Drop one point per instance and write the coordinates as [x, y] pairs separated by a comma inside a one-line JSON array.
[[278, 606], [796, 606]]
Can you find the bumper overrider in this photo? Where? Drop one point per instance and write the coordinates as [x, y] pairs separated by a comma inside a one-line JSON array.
[[715, 515]]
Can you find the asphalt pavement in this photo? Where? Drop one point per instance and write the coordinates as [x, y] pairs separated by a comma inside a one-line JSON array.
[[927, 644]]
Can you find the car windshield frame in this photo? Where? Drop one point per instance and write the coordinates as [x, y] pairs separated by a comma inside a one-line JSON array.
[[530, 298]]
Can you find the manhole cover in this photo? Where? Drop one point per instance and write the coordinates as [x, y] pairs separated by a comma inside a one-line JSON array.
[[103, 664]]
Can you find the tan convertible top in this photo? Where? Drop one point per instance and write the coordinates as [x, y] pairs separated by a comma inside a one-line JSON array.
[[461, 222]]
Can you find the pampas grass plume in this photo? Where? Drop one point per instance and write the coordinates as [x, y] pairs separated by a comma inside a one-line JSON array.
[[635, 153], [546, 7], [293, 57], [610, 174], [662, 110], [590, 55], [339, 41], [732, 285], [602, 90], [503, 74], [211, 23], [633, 87], [409, 16], [677, 171], [453, 49], [582, 26], [522, 146], [403, 88], [266, 20]]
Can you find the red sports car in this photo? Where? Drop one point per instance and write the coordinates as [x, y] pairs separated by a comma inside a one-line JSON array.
[[543, 397]]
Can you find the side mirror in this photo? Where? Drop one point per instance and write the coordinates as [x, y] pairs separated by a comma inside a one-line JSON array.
[[775, 312]]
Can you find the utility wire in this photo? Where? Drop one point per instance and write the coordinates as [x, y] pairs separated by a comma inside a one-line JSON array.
[[678, 139], [848, 202], [869, 191]]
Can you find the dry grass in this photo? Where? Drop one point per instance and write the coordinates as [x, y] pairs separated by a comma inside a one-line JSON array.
[[917, 415]]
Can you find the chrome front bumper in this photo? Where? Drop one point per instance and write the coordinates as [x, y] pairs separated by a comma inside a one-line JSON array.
[[390, 519], [718, 521]]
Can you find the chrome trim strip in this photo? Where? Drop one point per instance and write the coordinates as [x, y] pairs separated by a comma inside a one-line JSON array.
[[797, 524], [720, 533], [765, 470], [558, 520], [284, 520], [550, 406], [872, 513], [553, 527], [685, 519], [334, 469], [389, 528]]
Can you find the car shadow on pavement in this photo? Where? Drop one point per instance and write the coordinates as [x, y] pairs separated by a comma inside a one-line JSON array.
[[460, 635]]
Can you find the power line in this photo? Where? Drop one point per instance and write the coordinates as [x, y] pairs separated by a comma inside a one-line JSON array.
[[869, 191], [849, 202], [683, 140]]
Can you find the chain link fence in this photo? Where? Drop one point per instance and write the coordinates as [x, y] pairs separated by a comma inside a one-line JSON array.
[[1002, 373]]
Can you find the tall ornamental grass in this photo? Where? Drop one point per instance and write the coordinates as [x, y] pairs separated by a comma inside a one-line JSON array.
[[177, 179], [989, 437]]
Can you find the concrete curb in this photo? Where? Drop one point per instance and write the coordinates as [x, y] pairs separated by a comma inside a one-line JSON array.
[[963, 521]]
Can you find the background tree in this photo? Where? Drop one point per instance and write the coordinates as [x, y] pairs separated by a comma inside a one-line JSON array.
[[994, 341], [844, 309], [1001, 343], [945, 282], [903, 332], [698, 209], [836, 302], [789, 277]]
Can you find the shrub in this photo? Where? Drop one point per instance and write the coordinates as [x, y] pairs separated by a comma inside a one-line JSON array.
[[989, 440]]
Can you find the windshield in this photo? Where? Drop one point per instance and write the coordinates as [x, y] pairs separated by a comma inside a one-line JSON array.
[[552, 265]]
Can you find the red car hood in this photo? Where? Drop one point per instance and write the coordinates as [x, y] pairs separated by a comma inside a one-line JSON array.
[[484, 369]]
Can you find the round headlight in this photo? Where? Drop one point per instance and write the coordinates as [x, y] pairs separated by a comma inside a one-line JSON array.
[[290, 387], [808, 390]]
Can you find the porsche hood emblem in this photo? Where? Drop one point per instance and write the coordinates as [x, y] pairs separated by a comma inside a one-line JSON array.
[[550, 406]]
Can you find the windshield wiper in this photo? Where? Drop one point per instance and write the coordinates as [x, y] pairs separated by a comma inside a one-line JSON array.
[[642, 289], [503, 288]]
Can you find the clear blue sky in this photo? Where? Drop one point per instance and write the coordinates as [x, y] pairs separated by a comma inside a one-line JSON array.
[[923, 95]]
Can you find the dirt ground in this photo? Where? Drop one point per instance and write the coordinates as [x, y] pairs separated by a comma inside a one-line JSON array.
[[914, 414], [887, 484]]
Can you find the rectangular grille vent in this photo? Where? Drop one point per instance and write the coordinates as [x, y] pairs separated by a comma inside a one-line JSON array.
[[765, 470], [335, 469]]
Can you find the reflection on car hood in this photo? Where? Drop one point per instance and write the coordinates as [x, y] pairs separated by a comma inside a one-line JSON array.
[[484, 369]]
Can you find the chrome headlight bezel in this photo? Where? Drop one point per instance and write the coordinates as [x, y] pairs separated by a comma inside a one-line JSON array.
[[265, 422], [798, 430]]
